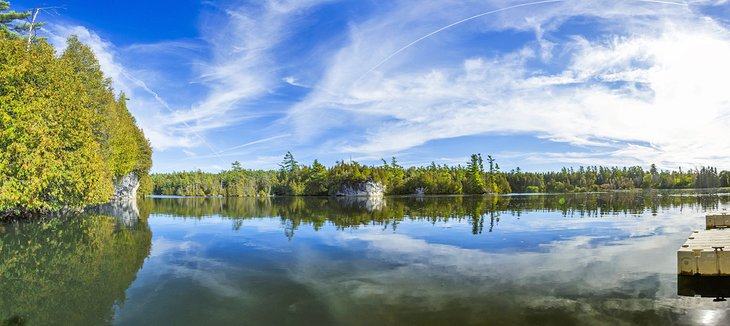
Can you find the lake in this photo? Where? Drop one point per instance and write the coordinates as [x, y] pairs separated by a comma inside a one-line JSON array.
[[558, 259]]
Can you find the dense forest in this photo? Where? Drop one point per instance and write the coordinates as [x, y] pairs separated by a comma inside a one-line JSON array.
[[65, 136], [478, 176]]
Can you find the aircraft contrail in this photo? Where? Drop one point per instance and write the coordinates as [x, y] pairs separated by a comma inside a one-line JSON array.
[[157, 98], [164, 104], [528, 4]]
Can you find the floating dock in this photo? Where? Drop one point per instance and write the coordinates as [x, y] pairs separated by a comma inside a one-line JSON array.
[[717, 220], [707, 252]]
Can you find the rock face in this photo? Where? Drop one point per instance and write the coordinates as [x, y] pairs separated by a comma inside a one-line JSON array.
[[126, 187], [363, 189]]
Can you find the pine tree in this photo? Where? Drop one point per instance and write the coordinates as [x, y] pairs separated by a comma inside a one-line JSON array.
[[474, 182], [236, 166], [9, 29], [289, 163]]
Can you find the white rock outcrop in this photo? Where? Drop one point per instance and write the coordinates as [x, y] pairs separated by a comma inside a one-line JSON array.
[[126, 187], [363, 189]]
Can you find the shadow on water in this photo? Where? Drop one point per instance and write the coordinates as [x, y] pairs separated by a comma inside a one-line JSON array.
[[481, 212], [717, 287], [72, 270]]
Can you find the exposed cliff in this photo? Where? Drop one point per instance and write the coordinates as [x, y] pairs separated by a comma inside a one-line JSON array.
[[363, 189], [126, 187]]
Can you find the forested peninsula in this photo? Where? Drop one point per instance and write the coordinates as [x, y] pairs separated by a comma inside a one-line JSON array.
[[66, 137], [478, 176]]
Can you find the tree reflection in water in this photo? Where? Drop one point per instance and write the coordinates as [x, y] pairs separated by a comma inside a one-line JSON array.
[[351, 212], [70, 270]]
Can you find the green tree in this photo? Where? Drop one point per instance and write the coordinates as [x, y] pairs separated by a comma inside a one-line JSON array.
[[492, 184], [316, 183], [236, 166], [9, 29], [289, 163], [474, 171], [49, 158], [64, 137], [123, 145]]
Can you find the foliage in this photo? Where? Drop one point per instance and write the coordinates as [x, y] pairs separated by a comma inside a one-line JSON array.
[[64, 137], [296, 179], [9, 29], [49, 158], [124, 146]]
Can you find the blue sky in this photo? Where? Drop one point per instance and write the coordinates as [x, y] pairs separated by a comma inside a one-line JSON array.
[[537, 85]]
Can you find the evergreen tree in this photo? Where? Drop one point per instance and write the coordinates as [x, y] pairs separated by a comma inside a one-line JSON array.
[[64, 137], [49, 158], [316, 183], [236, 166], [474, 170], [491, 184], [9, 29], [289, 163]]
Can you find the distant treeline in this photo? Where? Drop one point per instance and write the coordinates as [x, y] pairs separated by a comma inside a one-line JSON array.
[[478, 176]]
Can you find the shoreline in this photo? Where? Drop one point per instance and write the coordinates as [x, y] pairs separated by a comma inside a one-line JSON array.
[[153, 196]]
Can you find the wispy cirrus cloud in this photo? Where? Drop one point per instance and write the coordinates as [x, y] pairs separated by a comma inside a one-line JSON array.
[[644, 86], [242, 66], [145, 103], [235, 66], [618, 82]]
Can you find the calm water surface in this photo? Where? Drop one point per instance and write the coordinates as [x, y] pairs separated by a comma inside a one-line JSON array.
[[583, 259]]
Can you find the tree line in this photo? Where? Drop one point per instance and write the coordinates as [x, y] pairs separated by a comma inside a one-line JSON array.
[[65, 135], [478, 176]]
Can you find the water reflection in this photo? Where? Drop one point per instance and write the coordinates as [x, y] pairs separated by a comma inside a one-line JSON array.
[[546, 259], [578, 259], [481, 212], [70, 271]]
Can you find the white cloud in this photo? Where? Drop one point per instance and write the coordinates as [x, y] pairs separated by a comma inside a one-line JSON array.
[[650, 88], [241, 68], [643, 84], [148, 107], [243, 63]]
